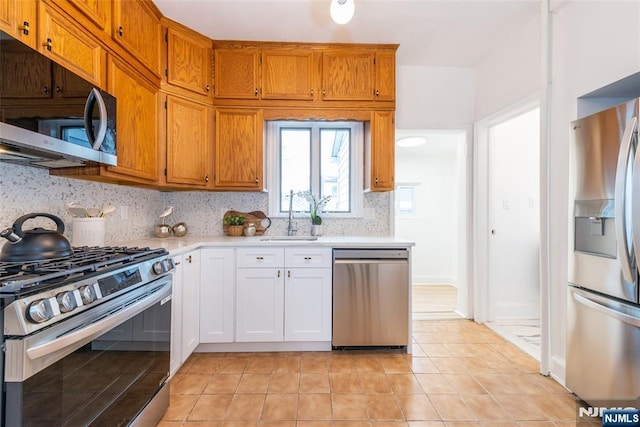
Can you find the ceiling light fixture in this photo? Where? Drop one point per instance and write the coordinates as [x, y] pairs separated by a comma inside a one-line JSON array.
[[342, 11], [411, 141]]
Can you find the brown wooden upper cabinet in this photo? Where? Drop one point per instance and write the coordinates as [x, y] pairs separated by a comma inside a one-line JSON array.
[[287, 74], [137, 116], [385, 88], [380, 152], [18, 19], [136, 27], [189, 134], [237, 73], [63, 41], [188, 60], [348, 75], [97, 11], [25, 75], [238, 149]]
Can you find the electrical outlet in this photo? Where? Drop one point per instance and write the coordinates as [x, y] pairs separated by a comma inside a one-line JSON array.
[[124, 212]]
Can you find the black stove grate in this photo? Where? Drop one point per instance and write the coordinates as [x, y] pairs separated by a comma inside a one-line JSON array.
[[58, 271]]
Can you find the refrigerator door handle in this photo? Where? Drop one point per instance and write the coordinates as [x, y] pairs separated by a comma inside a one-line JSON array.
[[620, 201], [634, 321], [635, 190]]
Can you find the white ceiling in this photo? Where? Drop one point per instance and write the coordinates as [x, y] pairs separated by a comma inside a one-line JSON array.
[[441, 33]]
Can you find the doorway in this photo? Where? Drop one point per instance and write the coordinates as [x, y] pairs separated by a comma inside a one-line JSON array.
[[512, 303], [431, 210]]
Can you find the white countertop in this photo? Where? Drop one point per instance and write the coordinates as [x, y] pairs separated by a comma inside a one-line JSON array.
[[177, 245]]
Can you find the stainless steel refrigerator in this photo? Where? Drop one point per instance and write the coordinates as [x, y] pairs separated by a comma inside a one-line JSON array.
[[603, 323]]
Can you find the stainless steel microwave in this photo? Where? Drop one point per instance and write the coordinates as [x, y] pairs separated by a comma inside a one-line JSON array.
[[49, 116]]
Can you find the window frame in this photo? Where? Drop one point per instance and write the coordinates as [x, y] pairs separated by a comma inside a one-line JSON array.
[[356, 163]]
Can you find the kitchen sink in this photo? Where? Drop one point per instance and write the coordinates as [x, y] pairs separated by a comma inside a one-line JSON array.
[[289, 238]]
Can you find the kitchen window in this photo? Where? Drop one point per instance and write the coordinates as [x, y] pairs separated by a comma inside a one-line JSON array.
[[318, 156]]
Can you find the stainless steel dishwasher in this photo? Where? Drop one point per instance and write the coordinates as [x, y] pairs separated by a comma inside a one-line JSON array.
[[370, 298]]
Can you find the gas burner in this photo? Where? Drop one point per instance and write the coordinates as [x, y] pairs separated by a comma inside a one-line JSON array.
[[84, 262]]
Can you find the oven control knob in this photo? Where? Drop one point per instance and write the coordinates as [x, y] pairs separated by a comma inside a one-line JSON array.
[[88, 294], [39, 311], [168, 264], [158, 267], [66, 301]]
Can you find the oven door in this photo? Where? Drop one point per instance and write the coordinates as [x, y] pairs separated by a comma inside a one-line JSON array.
[[105, 366]]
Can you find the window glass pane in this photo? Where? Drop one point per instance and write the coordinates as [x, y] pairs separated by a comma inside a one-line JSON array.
[[405, 201], [335, 169], [295, 166]]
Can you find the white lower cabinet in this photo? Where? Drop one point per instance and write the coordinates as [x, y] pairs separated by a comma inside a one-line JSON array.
[[283, 294], [217, 279], [259, 304], [185, 308], [307, 306]]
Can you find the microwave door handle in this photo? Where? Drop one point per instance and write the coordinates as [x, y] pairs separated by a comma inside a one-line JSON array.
[[620, 201], [95, 96]]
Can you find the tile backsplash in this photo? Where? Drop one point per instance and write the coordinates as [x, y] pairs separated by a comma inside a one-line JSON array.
[[25, 190]]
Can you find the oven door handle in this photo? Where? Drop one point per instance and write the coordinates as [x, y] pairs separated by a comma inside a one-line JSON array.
[[96, 329]]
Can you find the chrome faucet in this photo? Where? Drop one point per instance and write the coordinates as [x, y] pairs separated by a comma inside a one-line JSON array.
[[290, 227]]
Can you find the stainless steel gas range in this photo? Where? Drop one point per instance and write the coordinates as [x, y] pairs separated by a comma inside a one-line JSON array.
[[86, 338]]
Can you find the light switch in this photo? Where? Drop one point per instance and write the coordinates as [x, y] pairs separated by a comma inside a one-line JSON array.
[[506, 203]]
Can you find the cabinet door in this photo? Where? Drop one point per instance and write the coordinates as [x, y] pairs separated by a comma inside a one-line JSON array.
[[189, 142], [380, 152], [68, 45], [237, 73], [68, 85], [18, 19], [347, 75], [217, 283], [136, 27], [98, 12], [137, 115], [307, 304], [24, 75], [190, 303], [287, 74], [385, 76], [176, 316], [238, 149], [189, 61], [259, 304]]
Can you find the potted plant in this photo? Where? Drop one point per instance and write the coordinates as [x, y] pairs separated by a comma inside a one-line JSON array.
[[234, 224], [315, 207]]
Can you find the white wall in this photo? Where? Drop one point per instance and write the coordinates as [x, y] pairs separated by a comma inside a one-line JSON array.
[[434, 97], [434, 168], [514, 279], [510, 73], [594, 43]]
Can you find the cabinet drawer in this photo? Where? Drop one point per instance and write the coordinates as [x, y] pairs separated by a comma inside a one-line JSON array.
[[260, 257], [308, 257]]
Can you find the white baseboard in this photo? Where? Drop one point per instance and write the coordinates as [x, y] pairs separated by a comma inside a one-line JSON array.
[[558, 370], [434, 280]]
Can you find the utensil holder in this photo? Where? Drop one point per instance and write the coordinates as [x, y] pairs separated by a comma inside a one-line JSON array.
[[88, 231]]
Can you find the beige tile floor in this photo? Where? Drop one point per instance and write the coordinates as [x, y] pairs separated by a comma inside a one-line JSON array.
[[460, 374]]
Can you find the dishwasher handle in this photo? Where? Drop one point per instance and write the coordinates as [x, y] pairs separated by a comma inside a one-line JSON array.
[[371, 261]]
